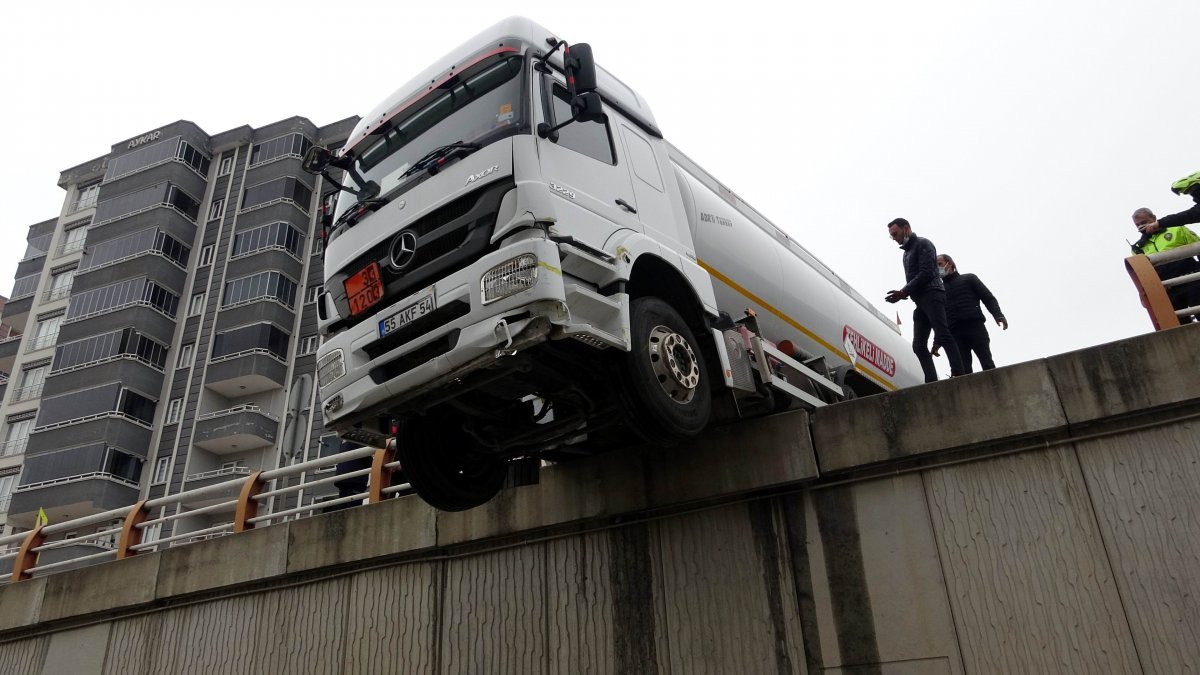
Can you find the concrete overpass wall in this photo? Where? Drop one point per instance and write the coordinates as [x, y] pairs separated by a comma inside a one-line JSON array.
[[1042, 518]]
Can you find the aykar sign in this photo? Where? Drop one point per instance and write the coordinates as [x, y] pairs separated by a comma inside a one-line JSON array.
[[145, 138]]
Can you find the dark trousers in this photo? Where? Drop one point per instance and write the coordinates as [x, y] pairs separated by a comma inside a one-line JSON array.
[[930, 314], [973, 337]]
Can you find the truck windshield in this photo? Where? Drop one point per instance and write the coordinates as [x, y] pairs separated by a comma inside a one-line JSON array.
[[480, 107]]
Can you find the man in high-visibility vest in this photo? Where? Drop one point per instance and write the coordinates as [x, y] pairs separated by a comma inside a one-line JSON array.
[[1168, 232]]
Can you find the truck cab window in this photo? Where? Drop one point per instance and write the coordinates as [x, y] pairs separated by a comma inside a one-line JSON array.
[[588, 138]]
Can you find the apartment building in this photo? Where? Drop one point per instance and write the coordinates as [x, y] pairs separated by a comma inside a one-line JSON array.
[[165, 325]]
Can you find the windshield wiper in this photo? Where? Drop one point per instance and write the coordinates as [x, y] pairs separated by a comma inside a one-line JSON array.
[[358, 210], [434, 159]]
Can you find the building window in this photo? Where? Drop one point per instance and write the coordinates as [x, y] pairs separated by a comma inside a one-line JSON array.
[[291, 145], [75, 237], [7, 483], [206, 255], [148, 241], [309, 344], [186, 352], [287, 188], [172, 149], [46, 333], [38, 246], [124, 343], [266, 336], [196, 306], [144, 199], [162, 470], [226, 166], [86, 197], [216, 209], [60, 285], [174, 411], [137, 291], [272, 236], [26, 286], [313, 292], [16, 436], [151, 533], [264, 285], [31, 383]]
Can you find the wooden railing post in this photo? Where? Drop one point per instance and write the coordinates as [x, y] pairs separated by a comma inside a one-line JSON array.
[[27, 557], [381, 475], [131, 534], [1153, 293], [247, 506]]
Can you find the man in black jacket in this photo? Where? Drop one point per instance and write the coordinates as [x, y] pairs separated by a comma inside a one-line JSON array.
[[924, 287], [964, 292]]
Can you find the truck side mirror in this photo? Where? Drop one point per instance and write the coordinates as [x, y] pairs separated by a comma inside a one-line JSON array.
[[586, 107], [581, 68], [317, 159]]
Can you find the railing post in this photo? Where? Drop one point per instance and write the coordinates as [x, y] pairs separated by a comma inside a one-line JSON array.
[[247, 506], [27, 557], [131, 534], [1153, 293], [381, 475]]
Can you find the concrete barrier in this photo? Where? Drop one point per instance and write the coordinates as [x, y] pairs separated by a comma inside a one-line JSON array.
[[1036, 518]]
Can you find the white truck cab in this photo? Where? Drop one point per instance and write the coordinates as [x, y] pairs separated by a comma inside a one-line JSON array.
[[519, 266]]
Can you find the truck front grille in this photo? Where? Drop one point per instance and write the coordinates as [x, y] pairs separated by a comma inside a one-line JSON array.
[[448, 239]]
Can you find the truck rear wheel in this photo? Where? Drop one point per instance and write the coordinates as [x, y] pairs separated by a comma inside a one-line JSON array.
[[445, 465], [664, 383]]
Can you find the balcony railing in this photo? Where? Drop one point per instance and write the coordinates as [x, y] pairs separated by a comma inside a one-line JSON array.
[[225, 471], [42, 342], [235, 410], [52, 294], [26, 393], [68, 247], [14, 447]]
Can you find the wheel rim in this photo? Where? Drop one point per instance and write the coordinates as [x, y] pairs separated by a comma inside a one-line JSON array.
[[674, 364]]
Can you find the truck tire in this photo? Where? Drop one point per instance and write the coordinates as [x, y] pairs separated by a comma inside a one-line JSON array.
[[445, 465], [664, 383]]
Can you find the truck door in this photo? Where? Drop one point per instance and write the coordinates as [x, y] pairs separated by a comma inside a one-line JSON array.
[[658, 206], [583, 169]]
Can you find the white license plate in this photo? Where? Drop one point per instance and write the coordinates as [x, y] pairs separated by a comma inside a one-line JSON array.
[[406, 316]]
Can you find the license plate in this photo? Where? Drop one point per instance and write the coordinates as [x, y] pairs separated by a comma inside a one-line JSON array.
[[406, 316], [364, 288]]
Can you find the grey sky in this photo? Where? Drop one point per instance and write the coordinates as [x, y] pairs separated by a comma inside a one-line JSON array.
[[1018, 135]]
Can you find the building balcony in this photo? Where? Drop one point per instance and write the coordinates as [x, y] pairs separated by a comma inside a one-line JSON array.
[[248, 372], [70, 497], [4, 502], [26, 393], [14, 447], [9, 347], [216, 476], [235, 430], [16, 312], [33, 344]]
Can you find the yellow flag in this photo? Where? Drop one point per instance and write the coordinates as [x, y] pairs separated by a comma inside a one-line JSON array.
[[42, 518]]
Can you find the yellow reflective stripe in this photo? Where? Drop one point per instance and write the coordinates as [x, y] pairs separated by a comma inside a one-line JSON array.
[[859, 366], [552, 268]]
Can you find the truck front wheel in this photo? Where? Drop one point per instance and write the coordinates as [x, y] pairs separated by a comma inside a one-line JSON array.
[[664, 383], [445, 465]]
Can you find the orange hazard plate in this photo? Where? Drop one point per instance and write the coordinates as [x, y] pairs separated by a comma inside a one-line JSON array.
[[364, 289]]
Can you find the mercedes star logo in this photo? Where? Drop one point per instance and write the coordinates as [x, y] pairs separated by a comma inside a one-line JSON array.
[[403, 250]]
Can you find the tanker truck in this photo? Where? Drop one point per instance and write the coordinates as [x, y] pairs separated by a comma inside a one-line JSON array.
[[519, 268]]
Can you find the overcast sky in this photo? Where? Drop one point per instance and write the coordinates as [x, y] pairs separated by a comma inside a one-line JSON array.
[[1019, 135]]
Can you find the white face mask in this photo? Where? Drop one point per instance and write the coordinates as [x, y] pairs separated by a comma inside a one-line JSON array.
[[942, 271]]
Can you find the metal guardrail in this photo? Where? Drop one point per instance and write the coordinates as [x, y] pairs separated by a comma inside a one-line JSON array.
[[256, 494], [1143, 270]]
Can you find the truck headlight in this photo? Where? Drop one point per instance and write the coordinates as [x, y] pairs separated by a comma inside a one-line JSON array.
[[509, 278], [330, 368]]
